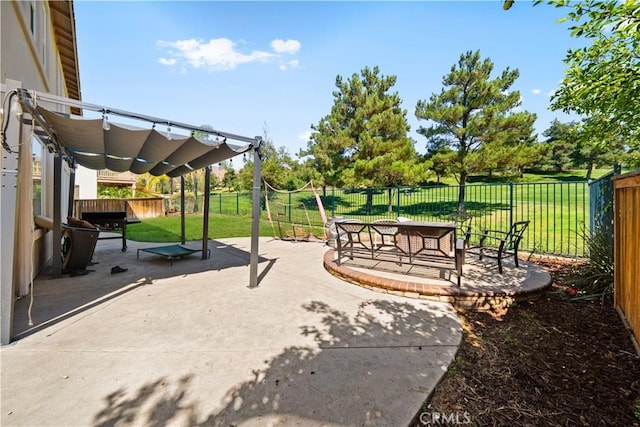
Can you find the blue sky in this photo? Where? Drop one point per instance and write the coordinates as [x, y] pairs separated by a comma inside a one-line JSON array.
[[242, 67]]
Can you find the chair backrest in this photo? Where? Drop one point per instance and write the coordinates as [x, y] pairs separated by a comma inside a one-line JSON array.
[[516, 233], [349, 227], [384, 226]]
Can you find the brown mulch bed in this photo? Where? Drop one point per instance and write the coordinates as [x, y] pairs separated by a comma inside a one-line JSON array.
[[555, 361]]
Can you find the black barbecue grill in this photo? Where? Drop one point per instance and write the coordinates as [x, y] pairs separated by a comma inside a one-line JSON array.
[[109, 221]]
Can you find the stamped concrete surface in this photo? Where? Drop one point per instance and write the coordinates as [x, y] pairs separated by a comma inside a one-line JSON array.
[[192, 344]]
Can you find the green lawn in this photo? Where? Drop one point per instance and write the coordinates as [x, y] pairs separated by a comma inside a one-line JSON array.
[[571, 175], [556, 204], [167, 229]]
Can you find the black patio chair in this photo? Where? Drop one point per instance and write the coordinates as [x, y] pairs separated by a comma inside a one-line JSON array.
[[500, 244]]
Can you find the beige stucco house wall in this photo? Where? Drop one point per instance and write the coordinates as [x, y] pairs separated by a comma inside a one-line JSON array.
[[38, 51]]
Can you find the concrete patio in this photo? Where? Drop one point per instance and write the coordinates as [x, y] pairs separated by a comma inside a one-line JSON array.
[[191, 344]]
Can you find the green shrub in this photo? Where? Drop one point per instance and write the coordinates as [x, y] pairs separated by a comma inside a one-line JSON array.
[[597, 278]]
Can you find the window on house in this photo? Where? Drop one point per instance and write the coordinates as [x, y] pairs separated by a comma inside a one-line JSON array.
[[32, 18], [37, 151]]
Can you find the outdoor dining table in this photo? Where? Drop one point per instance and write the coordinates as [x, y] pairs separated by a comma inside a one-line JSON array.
[[428, 238], [432, 244]]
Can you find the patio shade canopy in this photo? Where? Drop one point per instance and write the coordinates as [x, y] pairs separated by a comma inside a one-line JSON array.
[[98, 144], [126, 148]]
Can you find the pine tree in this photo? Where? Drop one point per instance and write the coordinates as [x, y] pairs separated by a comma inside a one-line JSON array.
[[471, 110], [364, 141]]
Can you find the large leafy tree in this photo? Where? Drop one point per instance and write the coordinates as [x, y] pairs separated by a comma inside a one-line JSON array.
[[595, 148], [153, 185], [363, 141], [279, 169], [473, 110], [601, 79]]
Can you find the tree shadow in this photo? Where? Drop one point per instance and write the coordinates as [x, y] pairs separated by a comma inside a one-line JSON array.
[[568, 179], [58, 299], [442, 209], [375, 210], [335, 201], [373, 367], [125, 410]]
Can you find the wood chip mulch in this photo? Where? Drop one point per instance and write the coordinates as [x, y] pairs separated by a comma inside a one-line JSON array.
[[555, 361]]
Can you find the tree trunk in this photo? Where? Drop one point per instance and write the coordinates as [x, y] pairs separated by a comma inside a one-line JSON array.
[[390, 203], [461, 192], [369, 205], [589, 169]]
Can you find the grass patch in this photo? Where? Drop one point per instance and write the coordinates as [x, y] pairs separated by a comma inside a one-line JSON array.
[[167, 229], [574, 175]]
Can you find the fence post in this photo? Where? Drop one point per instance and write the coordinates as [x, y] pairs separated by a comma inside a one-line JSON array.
[[289, 207], [510, 204], [333, 201], [237, 203], [398, 197]]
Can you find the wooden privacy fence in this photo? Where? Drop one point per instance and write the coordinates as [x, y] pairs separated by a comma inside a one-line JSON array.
[[627, 248], [136, 209]]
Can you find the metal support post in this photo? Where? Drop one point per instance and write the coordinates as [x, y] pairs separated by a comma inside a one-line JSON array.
[[182, 211], [56, 262], [255, 208], [205, 212]]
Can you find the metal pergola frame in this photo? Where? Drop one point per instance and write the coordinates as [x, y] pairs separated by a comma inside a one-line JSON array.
[[46, 132]]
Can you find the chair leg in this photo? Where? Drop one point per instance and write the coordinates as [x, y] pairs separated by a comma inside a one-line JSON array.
[[500, 263], [515, 256]]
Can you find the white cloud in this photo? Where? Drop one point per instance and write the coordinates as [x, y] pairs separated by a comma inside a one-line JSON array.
[[165, 61], [535, 91], [291, 64], [223, 54], [285, 46], [305, 136], [215, 55]]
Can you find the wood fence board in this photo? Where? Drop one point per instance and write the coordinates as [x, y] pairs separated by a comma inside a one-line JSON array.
[[136, 208], [627, 249]]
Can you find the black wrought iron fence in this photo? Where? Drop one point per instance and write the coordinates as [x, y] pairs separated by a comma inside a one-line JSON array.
[[558, 212]]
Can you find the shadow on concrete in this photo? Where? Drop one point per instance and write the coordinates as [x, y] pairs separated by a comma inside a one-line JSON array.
[[58, 299], [372, 368]]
